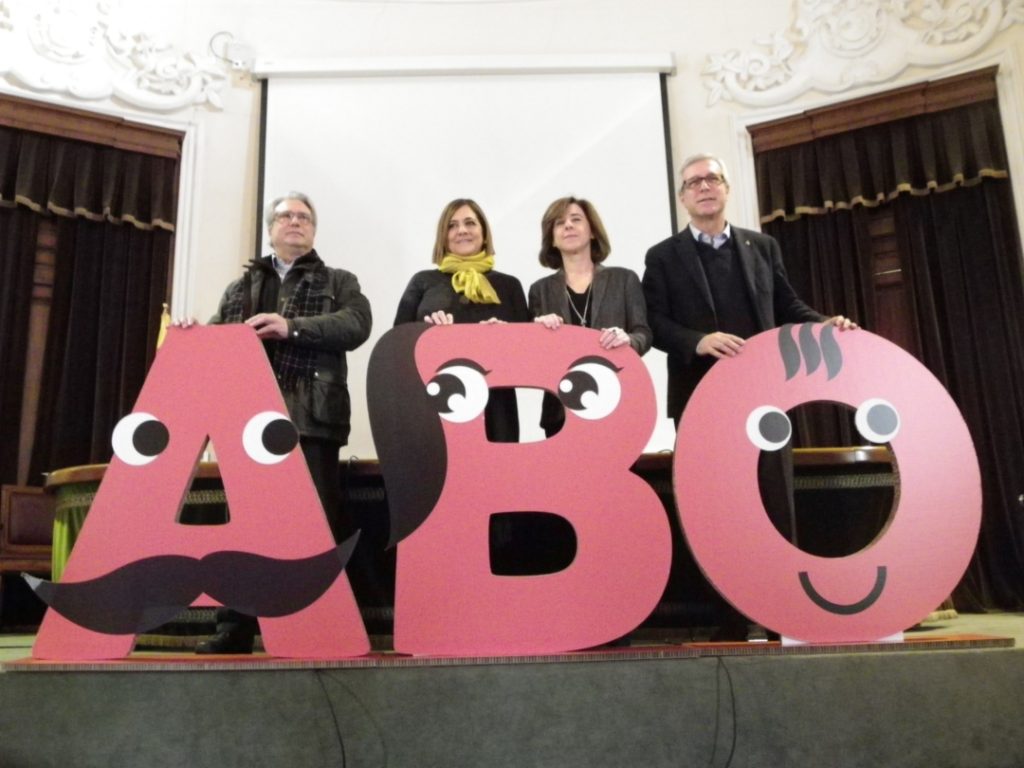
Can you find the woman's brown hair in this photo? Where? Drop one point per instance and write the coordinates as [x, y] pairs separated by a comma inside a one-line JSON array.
[[600, 246]]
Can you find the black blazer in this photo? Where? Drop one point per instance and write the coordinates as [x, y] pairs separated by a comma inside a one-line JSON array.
[[681, 311]]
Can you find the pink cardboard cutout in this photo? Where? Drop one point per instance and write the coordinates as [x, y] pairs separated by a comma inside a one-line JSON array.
[[914, 563], [135, 566], [448, 600]]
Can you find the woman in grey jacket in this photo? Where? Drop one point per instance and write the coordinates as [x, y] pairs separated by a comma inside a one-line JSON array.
[[583, 291]]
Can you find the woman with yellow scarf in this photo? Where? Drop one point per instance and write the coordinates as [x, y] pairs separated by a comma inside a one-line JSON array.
[[465, 288]]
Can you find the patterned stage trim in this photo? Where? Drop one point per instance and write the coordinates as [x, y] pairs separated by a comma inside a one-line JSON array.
[[257, 662]]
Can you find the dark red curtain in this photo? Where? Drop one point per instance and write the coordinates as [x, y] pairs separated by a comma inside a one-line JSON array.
[[104, 320], [115, 213], [918, 156], [965, 263], [945, 175], [17, 259]]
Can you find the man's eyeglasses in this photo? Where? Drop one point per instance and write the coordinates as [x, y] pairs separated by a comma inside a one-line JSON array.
[[283, 217], [712, 180]]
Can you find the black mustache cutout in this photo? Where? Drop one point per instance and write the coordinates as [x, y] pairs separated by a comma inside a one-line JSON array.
[[140, 596]]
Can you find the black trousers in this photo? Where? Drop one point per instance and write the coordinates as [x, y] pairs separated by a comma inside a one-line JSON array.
[[322, 458]]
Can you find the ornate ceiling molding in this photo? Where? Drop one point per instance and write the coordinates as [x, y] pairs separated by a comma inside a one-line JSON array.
[[836, 45], [81, 49]]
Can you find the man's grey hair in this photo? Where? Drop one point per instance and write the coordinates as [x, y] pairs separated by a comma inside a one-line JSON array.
[[700, 157], [302, 197]]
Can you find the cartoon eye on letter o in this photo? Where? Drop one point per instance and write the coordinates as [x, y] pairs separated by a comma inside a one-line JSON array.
[[591, 388], [269, 437], [877, 420], [459, 391], [768, 428], [139, 438]]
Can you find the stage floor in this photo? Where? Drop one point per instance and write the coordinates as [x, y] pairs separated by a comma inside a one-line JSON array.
[[963, 631], [949, 696]]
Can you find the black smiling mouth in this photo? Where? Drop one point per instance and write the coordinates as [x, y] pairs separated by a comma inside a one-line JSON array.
[[845, 609]]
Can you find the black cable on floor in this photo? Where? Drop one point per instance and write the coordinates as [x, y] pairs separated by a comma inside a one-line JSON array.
[[721, 668], [336, 680], [334, 717]]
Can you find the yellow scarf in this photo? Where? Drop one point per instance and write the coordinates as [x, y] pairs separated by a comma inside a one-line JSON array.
[[468, 276]]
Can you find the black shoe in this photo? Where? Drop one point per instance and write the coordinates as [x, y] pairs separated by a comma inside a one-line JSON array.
[[730, 632], [226, 642]]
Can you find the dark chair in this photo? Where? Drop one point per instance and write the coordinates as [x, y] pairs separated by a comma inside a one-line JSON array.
[[26, 532]]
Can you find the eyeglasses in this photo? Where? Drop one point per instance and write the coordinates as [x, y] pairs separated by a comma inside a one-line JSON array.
[[283, 217], [712, 180]]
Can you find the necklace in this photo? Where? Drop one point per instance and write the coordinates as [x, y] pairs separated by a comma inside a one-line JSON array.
[[582, 316]]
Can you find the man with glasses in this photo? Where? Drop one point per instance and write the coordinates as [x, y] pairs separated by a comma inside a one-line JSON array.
[[308, 315], [713, 285], [710, 287]]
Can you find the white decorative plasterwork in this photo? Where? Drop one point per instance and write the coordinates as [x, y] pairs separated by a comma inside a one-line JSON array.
[[81, 49], [835, 45]]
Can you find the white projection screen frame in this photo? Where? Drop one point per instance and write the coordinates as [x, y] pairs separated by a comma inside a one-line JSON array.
[[381, 151]]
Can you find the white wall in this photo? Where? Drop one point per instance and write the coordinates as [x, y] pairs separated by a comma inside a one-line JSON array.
[[381, 29]]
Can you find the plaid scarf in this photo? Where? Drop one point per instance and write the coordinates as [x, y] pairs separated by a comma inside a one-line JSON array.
[[290, 362]]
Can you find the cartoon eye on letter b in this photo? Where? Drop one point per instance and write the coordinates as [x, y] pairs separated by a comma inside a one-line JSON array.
[[739, 409], [428, 388]]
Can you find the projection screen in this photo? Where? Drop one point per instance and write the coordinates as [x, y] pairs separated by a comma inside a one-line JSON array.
[[381, 150]]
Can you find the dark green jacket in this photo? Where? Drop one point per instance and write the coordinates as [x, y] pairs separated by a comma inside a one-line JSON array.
[[319, 408]]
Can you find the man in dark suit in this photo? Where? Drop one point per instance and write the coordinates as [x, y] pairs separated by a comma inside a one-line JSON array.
[[713, 285], [710, 287]]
